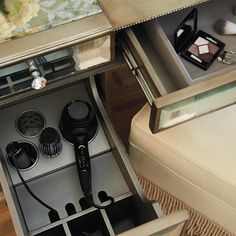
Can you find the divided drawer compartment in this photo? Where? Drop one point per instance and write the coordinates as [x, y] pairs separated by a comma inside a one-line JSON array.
[[50, 107], [55, 180], [127, 213], [63, 187], [90, 224], [58, 230]]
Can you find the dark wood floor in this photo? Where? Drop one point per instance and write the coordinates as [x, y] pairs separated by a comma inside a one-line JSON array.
[[6, 226], [123, 99]]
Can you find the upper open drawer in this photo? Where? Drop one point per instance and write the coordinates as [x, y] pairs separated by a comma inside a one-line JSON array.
[[193, 56], [161, 74]]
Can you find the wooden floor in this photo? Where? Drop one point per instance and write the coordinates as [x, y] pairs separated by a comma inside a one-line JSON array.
[[123, 99], [6, 227]]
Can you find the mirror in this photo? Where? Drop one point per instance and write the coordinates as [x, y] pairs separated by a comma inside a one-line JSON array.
[[185, 30], [192, 102]]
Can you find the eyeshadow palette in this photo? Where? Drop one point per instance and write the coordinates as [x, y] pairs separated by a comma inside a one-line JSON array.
[[199, 48]]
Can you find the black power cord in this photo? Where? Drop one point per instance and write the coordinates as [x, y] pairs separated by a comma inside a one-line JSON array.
[[29, 190], [89, 199], [53, 214], [12, 153]]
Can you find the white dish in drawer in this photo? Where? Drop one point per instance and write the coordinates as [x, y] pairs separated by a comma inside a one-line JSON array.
[[161, 33]]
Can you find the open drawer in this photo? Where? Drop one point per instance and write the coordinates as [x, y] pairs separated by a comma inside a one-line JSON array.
[[55, 180], [162, 32], [143, 47]]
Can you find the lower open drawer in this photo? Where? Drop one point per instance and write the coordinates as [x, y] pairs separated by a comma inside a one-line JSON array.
[[55, 180]]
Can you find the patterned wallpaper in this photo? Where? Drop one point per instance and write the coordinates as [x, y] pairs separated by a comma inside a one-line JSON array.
[[36, 15]]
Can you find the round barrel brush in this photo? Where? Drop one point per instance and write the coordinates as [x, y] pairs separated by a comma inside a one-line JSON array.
[[50, 143]]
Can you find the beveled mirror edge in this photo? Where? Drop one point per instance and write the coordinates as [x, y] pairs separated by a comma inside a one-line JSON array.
[[187, 93]]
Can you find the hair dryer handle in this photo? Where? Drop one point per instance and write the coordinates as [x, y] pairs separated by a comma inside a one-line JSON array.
[[83, 162]]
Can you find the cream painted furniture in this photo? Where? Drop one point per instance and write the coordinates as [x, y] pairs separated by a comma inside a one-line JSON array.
[[79, 36], [170, 225], [194, 161]]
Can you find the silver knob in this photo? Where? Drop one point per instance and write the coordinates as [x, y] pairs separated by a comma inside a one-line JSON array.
[[38, 81]]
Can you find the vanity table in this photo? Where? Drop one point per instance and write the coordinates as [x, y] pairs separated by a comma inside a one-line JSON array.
[[69, 53]]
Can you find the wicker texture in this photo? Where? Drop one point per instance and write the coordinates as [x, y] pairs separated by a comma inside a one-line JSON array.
[[197, 225]]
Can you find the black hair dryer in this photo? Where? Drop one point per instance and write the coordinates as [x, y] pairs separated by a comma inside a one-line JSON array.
[[78, 125]]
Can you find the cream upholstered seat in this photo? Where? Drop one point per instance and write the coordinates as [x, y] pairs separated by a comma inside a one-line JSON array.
[[194, 161]]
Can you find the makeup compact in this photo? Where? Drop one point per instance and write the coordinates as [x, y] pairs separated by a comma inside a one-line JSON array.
[[199, 48]]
